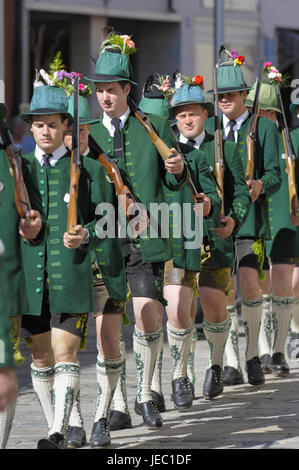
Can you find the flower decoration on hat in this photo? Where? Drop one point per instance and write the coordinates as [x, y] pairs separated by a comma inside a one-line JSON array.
[[274, 76], [122, 42], [165, 86], [236, 57], [59, 77], [180, 80]]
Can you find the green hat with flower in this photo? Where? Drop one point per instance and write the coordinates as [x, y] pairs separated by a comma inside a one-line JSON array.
[[113, 64], [189, 91], [84, 111], [267, 95], [154, 95], [229, 73], [50, 96]]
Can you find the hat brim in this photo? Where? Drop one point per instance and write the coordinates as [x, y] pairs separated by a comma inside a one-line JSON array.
[[38, 112], [209, 107], [230, 89], [102, 78]]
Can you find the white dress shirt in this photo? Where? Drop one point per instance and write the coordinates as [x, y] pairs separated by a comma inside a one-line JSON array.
[[239, 122]]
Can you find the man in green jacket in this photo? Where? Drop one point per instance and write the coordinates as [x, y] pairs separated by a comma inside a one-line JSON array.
[[122, 137], [250, 237], [13, 298], [191, 111], [59, 274], [283, 248]]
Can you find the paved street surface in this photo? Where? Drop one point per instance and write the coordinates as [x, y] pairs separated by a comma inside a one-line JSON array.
[[244, 417]]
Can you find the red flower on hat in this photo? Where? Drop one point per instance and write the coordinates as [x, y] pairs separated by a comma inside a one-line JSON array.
[[197, 79]]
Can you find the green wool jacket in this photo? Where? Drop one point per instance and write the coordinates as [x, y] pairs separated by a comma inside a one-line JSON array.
[[185, 257], [143, 171], [237, 201], [266, 168], [13, 298], [285, 237], [71, 288]]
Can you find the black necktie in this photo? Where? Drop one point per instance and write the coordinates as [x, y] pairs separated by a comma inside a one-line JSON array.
[[191, 142], [46, 159], [118, 151], [231, 134]]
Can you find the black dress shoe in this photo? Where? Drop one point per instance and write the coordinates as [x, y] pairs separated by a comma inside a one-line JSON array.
[[181, 393], [192, 390], [100, 435], [266, 363], [150, 414], [75, 437], [280, 367], [293, 346], [119, 420], [255, 372], [232, 376], [159, 401], [54, 441], [213, 384]]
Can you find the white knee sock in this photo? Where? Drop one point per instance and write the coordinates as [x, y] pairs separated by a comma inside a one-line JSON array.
[[265, 336], [65, 388], [216, 334], [42, 381], [252, 316], [191, 356], [157, 375], [76, 419], [179, 343], [232, 344], [146, 347], [120, 400], [282, 308], [6, 419], [108, 371]]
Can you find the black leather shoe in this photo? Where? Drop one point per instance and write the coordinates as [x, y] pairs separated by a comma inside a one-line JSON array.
[[232, 376], [119, 420], [150, 414], [159, 401], [293, 346], [181, 393], [100, 434], [280, 367], [54, 441], [255, 372], [266, 363], [213, 384], [192, 390], [75, 437]]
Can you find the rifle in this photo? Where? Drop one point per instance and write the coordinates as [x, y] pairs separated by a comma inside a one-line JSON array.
[[75, 165], [219, 165], [290, 156], [126, 197], [161, 147], [22, 201], [251, 135]]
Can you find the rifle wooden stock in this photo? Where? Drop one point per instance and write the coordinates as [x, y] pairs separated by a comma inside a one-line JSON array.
[[22, 201], [160, 145], [74, 188], [290, 167], [250, 145], [219, 168], [72, 218]]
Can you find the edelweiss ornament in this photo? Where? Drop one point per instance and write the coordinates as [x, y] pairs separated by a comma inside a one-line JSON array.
[[66, 198]]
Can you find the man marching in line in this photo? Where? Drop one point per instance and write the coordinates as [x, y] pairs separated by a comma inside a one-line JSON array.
[[250, 237], [13, 298], [58, 274], [283, 248], [109, 293], [191, 112], [122, 137]]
